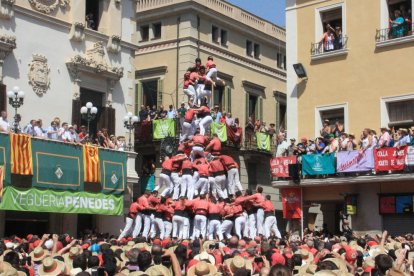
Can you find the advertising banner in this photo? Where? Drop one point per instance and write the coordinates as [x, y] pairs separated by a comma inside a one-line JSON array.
[[263, 141], [315, 164], [279, 166], [220, 129], [390, 159], [409, 159], [36, 200], [291, 203], [163, 128], [113, 171], [354, 161]]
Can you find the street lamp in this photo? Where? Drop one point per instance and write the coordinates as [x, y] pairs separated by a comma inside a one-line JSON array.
[[16, 97], [129, 123], [88, 113]]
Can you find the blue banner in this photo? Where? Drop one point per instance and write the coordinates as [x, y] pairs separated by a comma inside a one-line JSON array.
[[316, 164]]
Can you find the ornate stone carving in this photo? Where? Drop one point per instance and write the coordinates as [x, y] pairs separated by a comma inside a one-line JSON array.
[[7, 8], [7, 44], [39, 77], [114, 44], [77, 31], [48, 6]]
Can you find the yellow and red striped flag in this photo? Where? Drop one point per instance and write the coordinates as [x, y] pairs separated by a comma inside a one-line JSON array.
[[21, 154], [91, 167], [1, 181]]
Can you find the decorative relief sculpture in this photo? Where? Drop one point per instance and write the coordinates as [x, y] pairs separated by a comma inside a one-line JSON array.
[[48, 6], [77, 31], [6, 8], [39, 77], [7, 45], [114, 44]]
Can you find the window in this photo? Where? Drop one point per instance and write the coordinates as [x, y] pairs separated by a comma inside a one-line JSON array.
[[399, 11], [401, 114], [93, 13], [284, 62], [144, 30], [218, 97], [257, 51], [223, 36], [215, 34], [279, 59], [156, 29], [281, 109], [249, 48], [149, 91], [333, 113]]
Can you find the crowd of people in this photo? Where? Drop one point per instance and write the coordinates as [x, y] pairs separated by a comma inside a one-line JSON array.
[[334, 139], [63, 132], [317, 253]]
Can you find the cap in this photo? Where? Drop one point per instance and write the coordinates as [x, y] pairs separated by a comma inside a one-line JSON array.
[[292, 139], [304, 139], [326, 121], [331, 135]]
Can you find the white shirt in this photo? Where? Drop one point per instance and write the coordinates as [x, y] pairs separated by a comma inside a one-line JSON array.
[[4, 125], [38, 132], [281, 148], [171, 114], [66, 136]]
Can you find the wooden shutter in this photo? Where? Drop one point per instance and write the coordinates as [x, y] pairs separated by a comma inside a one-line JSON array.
[[224, 100], [76, 115], [138, 97], [259, 108], [227, 93], [103, 119], [247, 107], [111, 120], [277, 121], [160, 91]]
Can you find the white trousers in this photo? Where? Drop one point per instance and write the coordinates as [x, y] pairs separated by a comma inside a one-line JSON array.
[[205, 124], [165, 181], [176, 180], [220, 186], [201, 187], [239, 225], [186, 131], [186, 184], [214, 228], [129, 223], [137, 227], [252, 226], [202, 94], [191, 93], [180, 227], [146, 222], [233, 181], [212, 185], [157, 228], [167, 229], [271, 226], [226, 227], [200, 226], [197, 151], [246, 228], [260, 221]]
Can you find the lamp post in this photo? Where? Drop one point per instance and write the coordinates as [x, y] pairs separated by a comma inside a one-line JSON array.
[[16, 97], [129, 123], [88, 113]]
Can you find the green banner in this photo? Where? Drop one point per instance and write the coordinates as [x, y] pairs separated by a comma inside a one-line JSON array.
[[314, 164], [220, 129], [263, 141], [5, 158], [57, 166], [36, 200], [163, 128], [113, 171]]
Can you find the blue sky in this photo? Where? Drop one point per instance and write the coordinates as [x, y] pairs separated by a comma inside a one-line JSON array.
[[272, 10]]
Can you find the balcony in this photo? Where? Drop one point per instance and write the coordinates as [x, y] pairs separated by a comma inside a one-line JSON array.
[[318, 50], [394, 36]]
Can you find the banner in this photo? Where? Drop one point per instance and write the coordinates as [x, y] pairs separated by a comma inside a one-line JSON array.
[[279, 166], [354, 161], [5, 158], [91, 166], [235, 135], [263, 141], [315, 164], [163, 128], [351, 204], [113, 171], [220, 129], [409, 159], [291, 203], [36, 200], [143, 131], [390, 159], [57, 166], [387, 205], [21, 154]]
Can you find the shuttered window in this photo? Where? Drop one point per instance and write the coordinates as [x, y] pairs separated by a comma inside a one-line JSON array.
[[401, 112], [160, 91], [138, 97]]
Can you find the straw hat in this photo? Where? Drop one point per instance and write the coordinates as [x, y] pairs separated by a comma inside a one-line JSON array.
[[207, 244], [238, 262], [307, 257], [142, 245], [73, 252], [7, 270], [204, 256], [39, 254], [135, 273], [158, 270], [202, 268], [51, 267], [307, 269]]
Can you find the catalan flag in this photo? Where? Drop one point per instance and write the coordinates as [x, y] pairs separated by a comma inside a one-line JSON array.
[[1, 181], [21, 154], [92, 170]]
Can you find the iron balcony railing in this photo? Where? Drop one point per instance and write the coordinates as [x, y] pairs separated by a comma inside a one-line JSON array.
[[399, 31], [338, 44]]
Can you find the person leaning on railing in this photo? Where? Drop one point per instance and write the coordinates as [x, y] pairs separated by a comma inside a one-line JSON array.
[[398, 25]]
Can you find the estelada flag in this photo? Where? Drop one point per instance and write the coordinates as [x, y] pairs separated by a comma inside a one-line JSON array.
[[91, 167], [21, 154], [1, 181], [291, 203]]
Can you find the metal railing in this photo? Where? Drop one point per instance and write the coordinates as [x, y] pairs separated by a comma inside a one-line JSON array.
[[338, 44], [399, 31]]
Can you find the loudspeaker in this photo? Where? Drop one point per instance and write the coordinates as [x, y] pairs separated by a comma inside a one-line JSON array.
[[294, 171]]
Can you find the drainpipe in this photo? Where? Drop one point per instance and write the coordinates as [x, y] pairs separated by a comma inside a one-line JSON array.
[[198, 36], [178, 61]]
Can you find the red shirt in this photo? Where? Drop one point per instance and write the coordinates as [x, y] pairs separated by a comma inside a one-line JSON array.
[[153, 201], [203, 169], [199, 140], [228, 162], [216, 167], [189, 115], [200, 206], [268, 206], [187, 164], [133, 209], [167, 164], [215, 145], [194, 76], [187, 83], [257, 198], [143, 203], [204, 110], [214, 208]]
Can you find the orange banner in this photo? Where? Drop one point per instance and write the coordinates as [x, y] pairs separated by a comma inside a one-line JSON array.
[[21, 154], [91, 165]]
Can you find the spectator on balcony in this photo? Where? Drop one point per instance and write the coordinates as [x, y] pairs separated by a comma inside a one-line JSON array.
[[338, 42], [292, 149], [40, 132], [216, 114], [16, 123], [385, 138], [52, 131], [63, 132], [338, 129], [181, 113], [271, 131], [325, 130], [236, 123], [263, 128], [282, 146], [223, 118], [302, 146], [172, 113], [161, 114], [320, 145], [257, 125], [282, 131], [229, 120], [333, 145], [328, 39], [121, 143], [366, 140], [153, 112], [351, 145], [4, 124], [249, 129], [143, 114], [311, 148], [29, 128], [398, 24], [82, 134], [343, 140], [74, 137], [375, 139], [404, 138]]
